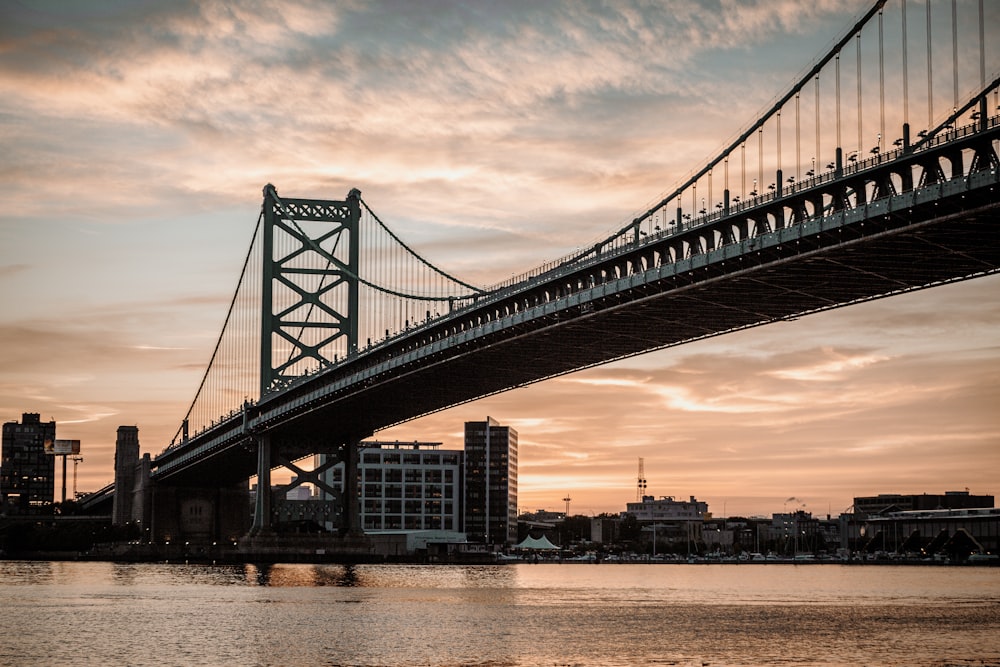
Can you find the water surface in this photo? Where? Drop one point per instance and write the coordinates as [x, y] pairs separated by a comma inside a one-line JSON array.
[[523, 615]]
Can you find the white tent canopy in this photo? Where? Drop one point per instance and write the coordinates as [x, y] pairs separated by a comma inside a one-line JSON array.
[[532, 543]]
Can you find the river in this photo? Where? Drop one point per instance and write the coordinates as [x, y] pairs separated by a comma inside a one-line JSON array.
[[523, 615]]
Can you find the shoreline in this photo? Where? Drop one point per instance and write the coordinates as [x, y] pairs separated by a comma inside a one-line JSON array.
[[231, 557]]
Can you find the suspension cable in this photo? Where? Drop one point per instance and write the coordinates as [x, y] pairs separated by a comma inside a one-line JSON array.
[[758, 124], [229, 314], [346, 270], [416, 255]]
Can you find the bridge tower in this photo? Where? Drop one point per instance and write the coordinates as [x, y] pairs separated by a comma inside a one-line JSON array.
[[309, 316], [309, 289]]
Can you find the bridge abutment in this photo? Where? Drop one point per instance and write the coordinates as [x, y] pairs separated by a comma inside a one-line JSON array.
[[196, 516]]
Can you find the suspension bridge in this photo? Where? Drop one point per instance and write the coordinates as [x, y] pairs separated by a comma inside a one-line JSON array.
[[874, 174]]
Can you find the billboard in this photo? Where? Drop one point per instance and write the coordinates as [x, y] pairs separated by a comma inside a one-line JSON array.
[[62, 447]]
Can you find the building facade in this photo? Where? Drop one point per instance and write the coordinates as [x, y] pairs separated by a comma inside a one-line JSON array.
[[490, 482], [406, 486], [956, 532], [669, 519], [27, 465], [795, 532], [913, 502]]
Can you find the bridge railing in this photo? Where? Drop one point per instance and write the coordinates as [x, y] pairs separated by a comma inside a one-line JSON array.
[[570, 263]]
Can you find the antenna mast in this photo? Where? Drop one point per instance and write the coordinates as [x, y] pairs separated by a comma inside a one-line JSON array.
[[640, 487]]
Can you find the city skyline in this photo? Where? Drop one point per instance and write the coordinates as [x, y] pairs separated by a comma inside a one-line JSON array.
[[491, 138]]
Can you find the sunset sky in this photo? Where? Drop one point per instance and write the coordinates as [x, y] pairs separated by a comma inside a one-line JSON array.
[[136, 138]]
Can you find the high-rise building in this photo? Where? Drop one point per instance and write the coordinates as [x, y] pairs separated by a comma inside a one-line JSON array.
[[27, 470], [417, 486], [490, 482], [126, 472]]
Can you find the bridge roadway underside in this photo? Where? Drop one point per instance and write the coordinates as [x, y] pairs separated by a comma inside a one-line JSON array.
[[775, 277]]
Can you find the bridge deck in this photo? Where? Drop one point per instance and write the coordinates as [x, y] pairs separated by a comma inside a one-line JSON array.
[[923, 237]]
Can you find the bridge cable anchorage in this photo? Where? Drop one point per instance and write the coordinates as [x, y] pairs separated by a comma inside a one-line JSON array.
[[385, 290]]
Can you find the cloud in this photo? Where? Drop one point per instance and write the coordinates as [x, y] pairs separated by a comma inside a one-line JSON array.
[[13, 269], [828, 365], [213, 86]]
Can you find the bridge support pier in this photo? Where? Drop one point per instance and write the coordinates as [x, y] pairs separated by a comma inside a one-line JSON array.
[[352, 517], [262, 501]]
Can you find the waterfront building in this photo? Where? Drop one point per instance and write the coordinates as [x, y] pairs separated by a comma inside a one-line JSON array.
[[406, 486], [419, 486], [605, 529], [491, 482], [669, 519], [27, 465], [956, 532], [795, 532], [897, 502], [665, 508], [545, 516], [718, 536]]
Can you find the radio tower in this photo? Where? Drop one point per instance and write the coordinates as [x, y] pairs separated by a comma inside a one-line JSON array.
[[640, 487]]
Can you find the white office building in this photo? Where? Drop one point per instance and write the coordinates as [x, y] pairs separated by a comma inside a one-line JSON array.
[[406, 486]]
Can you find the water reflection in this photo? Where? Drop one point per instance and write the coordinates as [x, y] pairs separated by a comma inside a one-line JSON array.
[[517, 615], [283, 575], [296, 575], [124, 574], [21, 573]]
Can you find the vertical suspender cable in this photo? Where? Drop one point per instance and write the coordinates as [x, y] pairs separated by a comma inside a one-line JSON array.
[[954, 50], [817, 154], [930, 75], [779, 146], [798, 147], [860, 115], [725, 179], [982, 48], [881, 82], [837, 67], [906, 81], [710, 200], [760, 159], [743, 170], [377, 272], [366, 241], [369, 307]]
